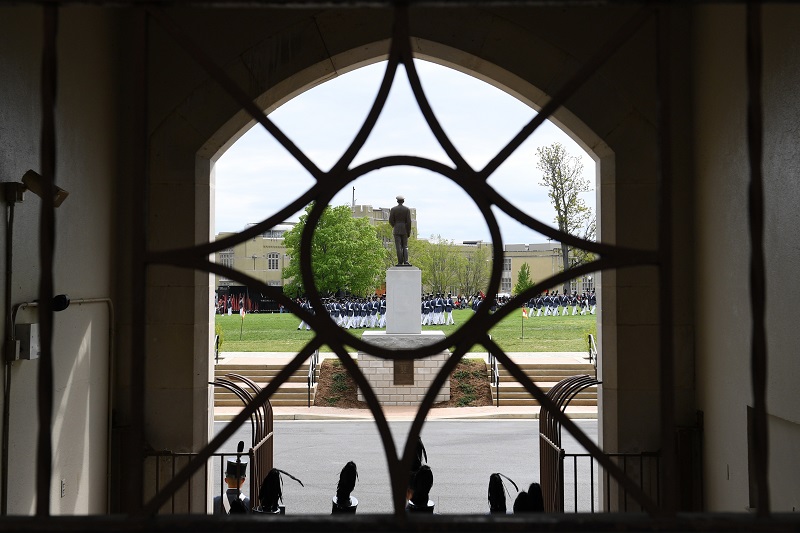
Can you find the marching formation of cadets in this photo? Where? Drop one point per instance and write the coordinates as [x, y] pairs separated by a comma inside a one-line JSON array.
[[548, 304], [437, 309], [564, 304], [351, 313], [357, 313]]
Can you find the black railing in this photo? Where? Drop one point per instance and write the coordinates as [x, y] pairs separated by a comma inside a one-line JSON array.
[[592, 351], [578, 479], [644, 465], [161, 466], [312, 373], [216, 349], [495, 378]]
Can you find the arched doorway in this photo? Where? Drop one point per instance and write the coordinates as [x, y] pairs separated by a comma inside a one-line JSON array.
[[204, 130]]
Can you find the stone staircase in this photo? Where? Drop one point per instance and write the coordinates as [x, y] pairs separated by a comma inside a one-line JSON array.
[[293, 392], [545, 376]]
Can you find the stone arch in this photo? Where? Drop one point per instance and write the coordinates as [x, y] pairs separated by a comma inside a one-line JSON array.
[[611, 118]]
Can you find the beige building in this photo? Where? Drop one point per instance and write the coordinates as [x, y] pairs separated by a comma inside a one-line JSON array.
[[129, 109], [263, 257], [544, 260], [376, 215]]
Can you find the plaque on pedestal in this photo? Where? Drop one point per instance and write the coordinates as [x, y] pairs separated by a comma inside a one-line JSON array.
[[404, 372]]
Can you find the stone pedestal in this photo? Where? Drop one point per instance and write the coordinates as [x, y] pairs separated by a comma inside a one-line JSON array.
[[403, 382], [403, 300]]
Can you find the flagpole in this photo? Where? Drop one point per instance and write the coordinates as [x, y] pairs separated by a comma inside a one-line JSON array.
[[241, 328]]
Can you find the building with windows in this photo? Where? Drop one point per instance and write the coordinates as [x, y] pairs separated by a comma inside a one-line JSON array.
[[263, 258], [377, 215], [544, 260]]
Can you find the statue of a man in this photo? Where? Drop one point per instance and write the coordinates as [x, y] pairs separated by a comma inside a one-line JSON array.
[[400, 220]]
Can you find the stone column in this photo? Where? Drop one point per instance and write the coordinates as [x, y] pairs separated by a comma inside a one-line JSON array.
[[403, 298]]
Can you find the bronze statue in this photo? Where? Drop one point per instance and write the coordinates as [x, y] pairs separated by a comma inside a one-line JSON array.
[[400, 220]]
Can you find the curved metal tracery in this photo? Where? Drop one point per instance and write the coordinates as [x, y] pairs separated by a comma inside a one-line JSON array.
[[474, 183]]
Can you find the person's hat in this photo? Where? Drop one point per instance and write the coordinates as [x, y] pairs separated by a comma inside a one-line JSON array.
[[401, 198], [233, 467]]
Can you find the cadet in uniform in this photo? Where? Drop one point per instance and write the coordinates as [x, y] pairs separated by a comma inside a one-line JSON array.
[[233, 501], [448, 308]]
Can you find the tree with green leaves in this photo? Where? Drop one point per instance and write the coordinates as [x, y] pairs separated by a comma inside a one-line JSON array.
[[384, 233], [562, 174], [474, 270], [346, 254], [523, 279], [438, 260]]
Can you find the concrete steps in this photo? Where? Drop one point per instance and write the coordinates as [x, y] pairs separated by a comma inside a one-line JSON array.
[[293, 392], [545, 376]]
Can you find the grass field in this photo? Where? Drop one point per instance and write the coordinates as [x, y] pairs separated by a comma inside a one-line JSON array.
[[278, 333]]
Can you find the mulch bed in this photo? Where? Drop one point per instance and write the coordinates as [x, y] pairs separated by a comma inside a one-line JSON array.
[[469, 386]]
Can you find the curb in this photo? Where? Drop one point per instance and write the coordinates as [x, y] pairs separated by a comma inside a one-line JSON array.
[[453, 417]]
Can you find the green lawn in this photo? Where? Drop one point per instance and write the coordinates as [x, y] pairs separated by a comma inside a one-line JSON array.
[[278, 332]]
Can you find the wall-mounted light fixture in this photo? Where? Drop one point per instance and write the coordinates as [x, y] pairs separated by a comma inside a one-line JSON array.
[[34, 182]]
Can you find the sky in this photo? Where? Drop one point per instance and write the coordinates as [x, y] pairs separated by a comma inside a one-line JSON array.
[[256, 177]]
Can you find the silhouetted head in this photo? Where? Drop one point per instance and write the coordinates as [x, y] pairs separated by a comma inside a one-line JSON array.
[[347, 482], [536, 498], [522, 503], [271, 490], [423, 482], [497, 492]]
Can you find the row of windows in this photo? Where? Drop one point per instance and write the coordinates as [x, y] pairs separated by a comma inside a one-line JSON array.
[[226, 259]]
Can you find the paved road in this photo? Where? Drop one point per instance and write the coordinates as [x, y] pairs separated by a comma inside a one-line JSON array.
[[462, 455]]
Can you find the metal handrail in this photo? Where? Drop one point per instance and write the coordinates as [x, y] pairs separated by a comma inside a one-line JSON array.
[[592, 350], [646, 463], [216, 349], [312, 373], [495, 377], [167, 461]]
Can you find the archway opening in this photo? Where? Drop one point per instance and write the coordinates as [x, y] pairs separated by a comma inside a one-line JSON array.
[[253, 161]]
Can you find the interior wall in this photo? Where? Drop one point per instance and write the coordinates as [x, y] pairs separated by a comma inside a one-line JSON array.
[[85, 155], [723, 248]]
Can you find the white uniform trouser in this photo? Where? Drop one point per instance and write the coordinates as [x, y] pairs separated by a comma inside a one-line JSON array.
[[449, 319]]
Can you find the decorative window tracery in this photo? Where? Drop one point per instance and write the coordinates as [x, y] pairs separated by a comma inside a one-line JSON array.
[[474, 182]]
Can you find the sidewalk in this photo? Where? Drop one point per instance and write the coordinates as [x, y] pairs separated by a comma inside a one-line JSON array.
[[256, 358], [407, 413]]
